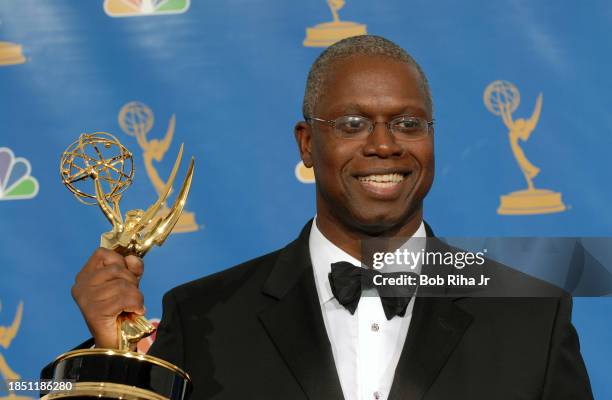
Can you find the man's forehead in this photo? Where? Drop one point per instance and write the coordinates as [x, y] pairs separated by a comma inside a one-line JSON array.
[[372, 106], [360, 64], [360, 82]]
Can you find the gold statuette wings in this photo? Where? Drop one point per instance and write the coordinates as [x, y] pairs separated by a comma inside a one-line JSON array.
[[8, 333]]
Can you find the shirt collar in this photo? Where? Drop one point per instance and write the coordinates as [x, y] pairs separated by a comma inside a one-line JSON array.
[[323, 253]]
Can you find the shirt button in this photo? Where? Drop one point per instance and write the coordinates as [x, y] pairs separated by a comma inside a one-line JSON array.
[[375, 328], [377, 396]]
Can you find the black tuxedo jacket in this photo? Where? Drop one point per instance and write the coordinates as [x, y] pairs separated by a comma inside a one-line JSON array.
[[255, 331]]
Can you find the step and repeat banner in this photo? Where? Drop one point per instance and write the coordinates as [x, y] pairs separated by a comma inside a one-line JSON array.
[[523, 112]]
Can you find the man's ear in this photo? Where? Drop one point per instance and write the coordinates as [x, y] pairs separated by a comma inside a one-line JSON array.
[[303, 137]]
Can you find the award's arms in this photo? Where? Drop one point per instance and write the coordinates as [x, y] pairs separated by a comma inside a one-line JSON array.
[[164, 226], [506, 115], [167, 140], [535, 117], [152, 210], [7, 334], [113, 214]]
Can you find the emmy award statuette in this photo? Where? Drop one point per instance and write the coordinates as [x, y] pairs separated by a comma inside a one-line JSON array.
[[502, 98], [328, 33], [120, 373]]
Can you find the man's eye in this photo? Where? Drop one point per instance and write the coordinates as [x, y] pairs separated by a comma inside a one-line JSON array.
[[407, 125], [351, 125]]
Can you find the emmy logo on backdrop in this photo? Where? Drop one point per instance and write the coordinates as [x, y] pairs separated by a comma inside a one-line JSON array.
[[328, 33], [502, 98], [11, 54], [7, 334], [136, 119], [303, 173]]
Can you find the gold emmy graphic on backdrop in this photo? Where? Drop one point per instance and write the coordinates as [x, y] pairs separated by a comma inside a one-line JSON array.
[[97, 169], [328, 33], [502, 98], [136, 119], [7, 334], [303, 173], [11, 54]]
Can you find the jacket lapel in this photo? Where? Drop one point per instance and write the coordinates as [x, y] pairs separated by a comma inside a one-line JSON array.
[[295, 322], [295, 325], [435, 330]]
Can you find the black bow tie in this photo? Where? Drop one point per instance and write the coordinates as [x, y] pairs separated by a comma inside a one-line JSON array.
[[347, 282]]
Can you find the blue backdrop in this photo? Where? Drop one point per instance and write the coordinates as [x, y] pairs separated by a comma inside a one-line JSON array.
[[69, 66]]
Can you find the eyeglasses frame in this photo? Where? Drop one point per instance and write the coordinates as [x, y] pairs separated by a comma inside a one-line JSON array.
[[332, 123]]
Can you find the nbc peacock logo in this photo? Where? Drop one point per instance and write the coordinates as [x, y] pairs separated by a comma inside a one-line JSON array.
[[143, 8], [16, 183]]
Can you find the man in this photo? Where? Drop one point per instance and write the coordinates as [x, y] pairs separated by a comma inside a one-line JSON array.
[[275, 327]]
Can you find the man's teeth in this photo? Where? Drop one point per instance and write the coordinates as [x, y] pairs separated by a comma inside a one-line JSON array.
[[386, 180]]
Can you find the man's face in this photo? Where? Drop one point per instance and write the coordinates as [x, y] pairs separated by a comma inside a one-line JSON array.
[[377, 183]]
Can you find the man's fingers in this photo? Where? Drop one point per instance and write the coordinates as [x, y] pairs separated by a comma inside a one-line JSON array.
[[128, 299], [102, 257], [107, 290], [135, 265], [110, 273], [104, 288]]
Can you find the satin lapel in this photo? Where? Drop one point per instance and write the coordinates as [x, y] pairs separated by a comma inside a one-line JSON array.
[[435, 330], [295, 322]]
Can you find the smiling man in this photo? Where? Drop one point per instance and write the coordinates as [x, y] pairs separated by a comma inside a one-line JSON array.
[[368, 133], [285, 326]]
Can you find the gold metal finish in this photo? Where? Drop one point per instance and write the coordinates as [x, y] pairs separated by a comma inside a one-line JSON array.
[[123, 353], [328, 33], [102, 158], [11, 54], [7, 334], [502, 99], [105, 390], [303, 173]]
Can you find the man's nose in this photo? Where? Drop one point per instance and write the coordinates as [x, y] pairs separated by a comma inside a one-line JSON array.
[[381, 142]]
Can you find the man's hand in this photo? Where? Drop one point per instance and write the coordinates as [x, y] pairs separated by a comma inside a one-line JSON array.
[[106, 286]]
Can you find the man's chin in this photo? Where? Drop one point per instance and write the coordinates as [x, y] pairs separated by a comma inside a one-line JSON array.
[[376, 221], [379, 224]]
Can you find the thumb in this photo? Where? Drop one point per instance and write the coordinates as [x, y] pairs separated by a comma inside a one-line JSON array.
[[135, 265]]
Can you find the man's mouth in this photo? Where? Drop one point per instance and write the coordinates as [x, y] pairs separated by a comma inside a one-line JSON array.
[[382, 180], [384, 185]]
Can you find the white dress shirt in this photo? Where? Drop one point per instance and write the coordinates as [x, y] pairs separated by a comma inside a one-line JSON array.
[[366, 346]]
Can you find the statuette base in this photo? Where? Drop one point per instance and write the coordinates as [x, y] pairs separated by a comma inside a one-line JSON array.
[[326, 34], [114, 374], [531, 201]]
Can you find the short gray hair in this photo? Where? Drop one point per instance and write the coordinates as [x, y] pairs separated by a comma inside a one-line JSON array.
[[369, 45]]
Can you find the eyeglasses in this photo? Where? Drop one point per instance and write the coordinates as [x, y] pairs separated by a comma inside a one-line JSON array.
[[404, 127]]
